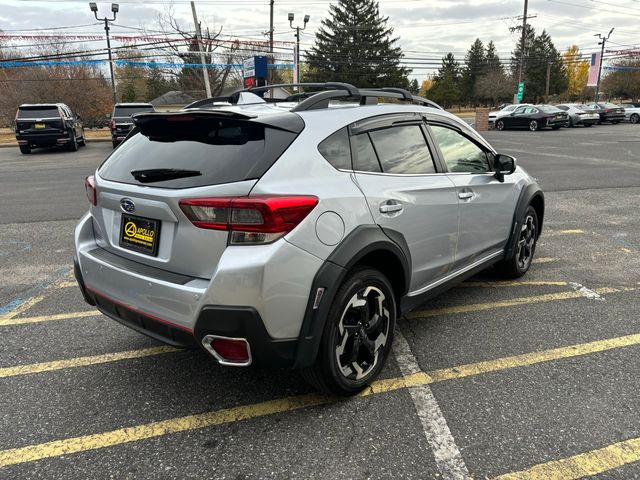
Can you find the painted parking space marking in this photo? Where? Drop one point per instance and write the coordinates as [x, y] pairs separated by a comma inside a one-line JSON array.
[[84, 443], [544, 260], [479, 307], [49, 318], [33, 296], [83, 361], [582, 465], [447, 455], [560, 233], [586, 292], [514, 283]]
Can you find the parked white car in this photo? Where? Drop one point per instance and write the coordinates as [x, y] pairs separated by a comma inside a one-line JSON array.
[[509, 109], [631, 112], [579, 116]]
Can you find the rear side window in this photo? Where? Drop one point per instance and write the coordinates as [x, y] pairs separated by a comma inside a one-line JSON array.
[[38, 112], [403, 150], [365, 159], [128, 111], [195, 152], [336, 150]]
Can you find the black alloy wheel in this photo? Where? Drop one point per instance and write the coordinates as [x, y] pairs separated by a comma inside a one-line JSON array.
[[635, 118], [527, 237], [358, 335], [500, 125], [533, 125]]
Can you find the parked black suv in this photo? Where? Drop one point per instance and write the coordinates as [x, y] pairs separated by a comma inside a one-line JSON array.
[[121, 122], [46, 125]]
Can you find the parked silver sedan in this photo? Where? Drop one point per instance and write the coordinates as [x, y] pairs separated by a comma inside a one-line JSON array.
[[578, 115], [631, 112]]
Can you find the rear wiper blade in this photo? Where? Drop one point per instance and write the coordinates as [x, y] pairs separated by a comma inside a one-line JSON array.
[[160, 174]]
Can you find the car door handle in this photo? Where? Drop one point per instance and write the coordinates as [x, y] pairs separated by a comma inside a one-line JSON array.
[[391, 207], [466, 195]]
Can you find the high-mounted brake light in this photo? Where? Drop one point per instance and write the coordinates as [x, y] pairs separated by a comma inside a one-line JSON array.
[[251, 220], [90, 189]]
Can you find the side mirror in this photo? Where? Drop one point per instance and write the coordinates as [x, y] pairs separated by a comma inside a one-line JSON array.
[[505, 165]]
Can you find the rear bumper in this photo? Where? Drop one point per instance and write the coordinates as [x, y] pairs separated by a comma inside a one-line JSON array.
[[259, 294], [42, 140], [231, 322]]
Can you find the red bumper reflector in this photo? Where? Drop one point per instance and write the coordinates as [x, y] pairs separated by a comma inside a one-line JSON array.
[[235, 351]]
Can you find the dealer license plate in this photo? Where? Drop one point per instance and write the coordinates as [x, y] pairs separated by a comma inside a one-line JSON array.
[[140, 234]]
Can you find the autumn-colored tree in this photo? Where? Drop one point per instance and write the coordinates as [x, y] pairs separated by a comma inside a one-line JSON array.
[[577, 72], [425, 86]]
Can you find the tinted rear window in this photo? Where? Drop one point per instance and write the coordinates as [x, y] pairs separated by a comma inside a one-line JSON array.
[[40, 112], [128, 111], [337, 150], [221, 150]]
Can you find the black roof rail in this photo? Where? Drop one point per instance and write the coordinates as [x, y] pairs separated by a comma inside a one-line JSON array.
[[321, 99]]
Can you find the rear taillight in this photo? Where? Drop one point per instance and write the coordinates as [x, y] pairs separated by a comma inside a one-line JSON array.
[[251, 220], [90, 189], [113, 124]]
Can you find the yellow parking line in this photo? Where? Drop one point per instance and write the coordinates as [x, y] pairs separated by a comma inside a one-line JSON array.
[[514, 283], [544, 260], [479, 307], [48, 318], [83, 361], [193, 422], [582, 465], [558, 233], [67, 284], [22, 307]]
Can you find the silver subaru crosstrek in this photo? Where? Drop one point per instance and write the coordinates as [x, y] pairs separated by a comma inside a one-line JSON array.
[[294, 233]]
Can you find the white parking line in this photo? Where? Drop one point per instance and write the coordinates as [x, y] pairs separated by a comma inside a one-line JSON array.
[[448, 458], [585, 292]]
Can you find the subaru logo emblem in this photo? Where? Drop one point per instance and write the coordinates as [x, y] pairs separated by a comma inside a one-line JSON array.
[[127, 205]]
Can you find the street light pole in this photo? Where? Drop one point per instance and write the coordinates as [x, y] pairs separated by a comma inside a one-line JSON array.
[[298, 30], [603, 43], [114, 8]]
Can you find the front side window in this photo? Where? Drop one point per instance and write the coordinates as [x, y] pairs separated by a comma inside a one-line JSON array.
[[336, 149], [460, 153], [403, 150], [521, 110]]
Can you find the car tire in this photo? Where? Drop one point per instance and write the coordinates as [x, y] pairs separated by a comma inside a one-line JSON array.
[[556, 127], [73, 144], [588, 124], [570, 123], [83, 140], [500, 125], [635, 118], [520, 261], [114, 144], [616, 122], [25, 149], [533, 125], [364, 308]]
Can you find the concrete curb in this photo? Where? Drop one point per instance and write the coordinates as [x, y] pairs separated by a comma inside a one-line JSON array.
[[89, 140]]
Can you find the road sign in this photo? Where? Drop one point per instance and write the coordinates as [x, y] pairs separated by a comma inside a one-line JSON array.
[[520, 91]]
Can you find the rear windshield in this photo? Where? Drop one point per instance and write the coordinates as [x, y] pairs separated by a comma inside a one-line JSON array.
[[211, 151], [38, 112], [128, 111]]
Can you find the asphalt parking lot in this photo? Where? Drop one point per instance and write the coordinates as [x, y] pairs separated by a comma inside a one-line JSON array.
[[536, 378]]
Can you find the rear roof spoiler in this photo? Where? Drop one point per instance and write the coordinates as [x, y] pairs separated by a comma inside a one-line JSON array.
[[282, 121]]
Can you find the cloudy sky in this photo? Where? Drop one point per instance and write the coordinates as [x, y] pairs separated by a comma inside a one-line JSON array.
[[427, 29]]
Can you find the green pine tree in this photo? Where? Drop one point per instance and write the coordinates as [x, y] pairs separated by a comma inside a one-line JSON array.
[[355, 45], [414, 87], [492, 61], [474, 67], [446, 87]]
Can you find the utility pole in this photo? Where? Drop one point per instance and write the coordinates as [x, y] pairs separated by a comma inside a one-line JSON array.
[[205, 72], [114, 8], [546, 89], [298, 30], [603, 41], [524, 39], [271, 26]]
